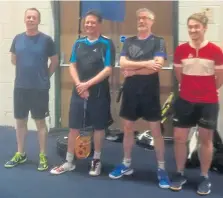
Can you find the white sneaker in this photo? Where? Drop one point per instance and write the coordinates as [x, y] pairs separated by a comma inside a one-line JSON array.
[[95, 167], [63, 168]]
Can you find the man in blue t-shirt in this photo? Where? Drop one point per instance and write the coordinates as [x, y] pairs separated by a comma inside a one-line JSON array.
[[30, 52], [141, 60], [91, 65]]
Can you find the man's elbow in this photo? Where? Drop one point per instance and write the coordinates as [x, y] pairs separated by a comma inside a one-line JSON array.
[[13, 62], [122, 62], [55, 60], [108, 71]]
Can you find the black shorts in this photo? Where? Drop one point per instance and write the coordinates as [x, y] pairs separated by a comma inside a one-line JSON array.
[[187, 114], [98, 114], [135, 105], [35, 101]]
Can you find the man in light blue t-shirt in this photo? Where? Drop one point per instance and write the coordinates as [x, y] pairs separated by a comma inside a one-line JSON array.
[[30, 53]]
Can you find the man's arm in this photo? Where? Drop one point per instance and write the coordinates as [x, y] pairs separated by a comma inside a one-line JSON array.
[[159, 58], [74, 74], [13, 51], [51, 52], [177, 63], [178, 69], [54, 63], [13, 58], [125, 63], [73, 68], [219, 67]]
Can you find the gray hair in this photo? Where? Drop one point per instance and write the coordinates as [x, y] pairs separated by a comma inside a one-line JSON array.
[[151, 14]]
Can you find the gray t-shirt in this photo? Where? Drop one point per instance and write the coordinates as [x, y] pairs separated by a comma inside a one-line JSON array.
[[32, 53]]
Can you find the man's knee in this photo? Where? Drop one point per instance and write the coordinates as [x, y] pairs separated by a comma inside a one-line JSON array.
[[21, 123], [128, 126], [155, 129], [181, 135], [41, 124], [206, 136]]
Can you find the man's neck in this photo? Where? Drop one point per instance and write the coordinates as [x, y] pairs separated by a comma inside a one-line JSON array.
[[32, 32], [197, 43], [144, 35], [93, 37]]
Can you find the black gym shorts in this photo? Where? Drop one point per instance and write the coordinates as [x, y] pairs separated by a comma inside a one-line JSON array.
[[187, 114], [98, 114], [137, 104], [33, 100]]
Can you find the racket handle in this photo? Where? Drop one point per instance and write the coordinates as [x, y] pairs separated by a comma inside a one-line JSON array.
[[85, 104], [119, 94]]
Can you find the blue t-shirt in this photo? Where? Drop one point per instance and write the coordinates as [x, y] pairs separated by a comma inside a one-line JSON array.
[[91, 58], [143, 50], [32, 53]]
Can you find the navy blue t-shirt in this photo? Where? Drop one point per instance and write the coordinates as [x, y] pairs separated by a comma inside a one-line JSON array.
[[32, 54], [91, 58], [143, 50]]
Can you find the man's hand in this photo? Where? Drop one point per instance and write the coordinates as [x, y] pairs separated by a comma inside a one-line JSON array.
[[127, 73], [154, 65], [82, 87], [85, 95]]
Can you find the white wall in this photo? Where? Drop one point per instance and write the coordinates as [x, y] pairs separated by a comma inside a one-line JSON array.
[[214, 33], [11, 23]]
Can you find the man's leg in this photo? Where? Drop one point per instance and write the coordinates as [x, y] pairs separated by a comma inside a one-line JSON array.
[[99, 136], [21, 110], [21, 131], [42, 136], [129, 114], [206, 156], [151, 110], [183, 120], [100, 118], [76, 113], [207, 125], [180, 147], [159, 146], [180, 150], [128, 143], [39, 111]]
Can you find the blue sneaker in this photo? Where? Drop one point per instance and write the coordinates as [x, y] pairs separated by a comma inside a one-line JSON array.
[[163, 178], [119, 171]]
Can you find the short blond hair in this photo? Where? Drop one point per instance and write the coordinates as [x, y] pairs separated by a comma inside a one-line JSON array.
[[150, 13], [200, 17]]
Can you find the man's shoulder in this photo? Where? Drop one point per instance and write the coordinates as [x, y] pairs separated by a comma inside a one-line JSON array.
[[45, 35], [20, 35], [156, 37], [106, 40], [81, 39], [131, 38], [214, 47], [183, 46], [103, 37]]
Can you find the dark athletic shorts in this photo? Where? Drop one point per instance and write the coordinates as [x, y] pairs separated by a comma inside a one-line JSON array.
[[145, 104], [98, 114], [35, 101], [187, 114]]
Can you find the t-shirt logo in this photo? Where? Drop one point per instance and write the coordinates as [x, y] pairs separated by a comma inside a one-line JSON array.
[[135, 51], [190, 56], [95, 50]]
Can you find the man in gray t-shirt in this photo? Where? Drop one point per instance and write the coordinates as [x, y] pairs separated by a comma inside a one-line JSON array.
[[30, 53]]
